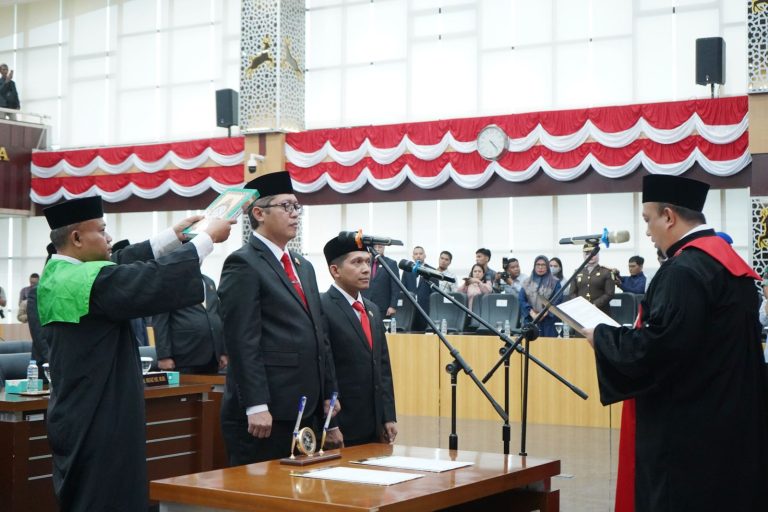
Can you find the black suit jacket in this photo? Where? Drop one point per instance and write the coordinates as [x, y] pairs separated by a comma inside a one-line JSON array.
[[383, 291], [363, 373], [40, 346], [191, 336], [277, 349], [422, 291]]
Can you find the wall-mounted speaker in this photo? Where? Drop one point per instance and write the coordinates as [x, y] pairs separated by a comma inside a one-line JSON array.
[[227, 107], [710, 60]]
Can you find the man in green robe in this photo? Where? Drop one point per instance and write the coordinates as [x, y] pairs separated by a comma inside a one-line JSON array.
[[96, 425]]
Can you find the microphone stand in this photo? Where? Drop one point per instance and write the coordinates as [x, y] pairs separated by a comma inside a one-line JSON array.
[[530, 332], [458, 364], [505, 432]]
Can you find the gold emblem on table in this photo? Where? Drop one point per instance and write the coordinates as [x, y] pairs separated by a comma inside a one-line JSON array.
[[305, 440]]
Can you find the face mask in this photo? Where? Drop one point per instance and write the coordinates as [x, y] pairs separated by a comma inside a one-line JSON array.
[[553, 270]]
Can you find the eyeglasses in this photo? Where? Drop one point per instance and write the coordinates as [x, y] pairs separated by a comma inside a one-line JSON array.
[[287, 206]]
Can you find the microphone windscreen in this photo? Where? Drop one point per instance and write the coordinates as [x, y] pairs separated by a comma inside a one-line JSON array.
[[405, 265], [619, 237]]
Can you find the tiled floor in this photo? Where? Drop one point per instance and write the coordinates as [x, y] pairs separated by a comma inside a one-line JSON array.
[[588, 455]]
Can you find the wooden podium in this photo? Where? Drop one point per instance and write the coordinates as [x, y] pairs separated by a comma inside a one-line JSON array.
[[180, 421], [494, 482]]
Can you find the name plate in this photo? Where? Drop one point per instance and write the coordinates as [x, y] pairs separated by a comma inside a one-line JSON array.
[[156, 379]]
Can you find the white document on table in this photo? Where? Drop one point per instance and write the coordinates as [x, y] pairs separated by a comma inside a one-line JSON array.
[[358, 476], [414, 463], [581, 314]]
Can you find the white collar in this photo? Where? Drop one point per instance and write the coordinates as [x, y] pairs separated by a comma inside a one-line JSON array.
[[347, 296], [700, 227], [272, 246], [68, 259]]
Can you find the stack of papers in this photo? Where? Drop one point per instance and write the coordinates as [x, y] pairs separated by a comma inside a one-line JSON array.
[[358, 476], [414, 463]]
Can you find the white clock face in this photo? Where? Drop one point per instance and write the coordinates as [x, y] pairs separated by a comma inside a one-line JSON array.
[[492, 142]]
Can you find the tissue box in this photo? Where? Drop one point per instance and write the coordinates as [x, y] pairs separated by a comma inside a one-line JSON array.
[[173, 378], [20, 385]]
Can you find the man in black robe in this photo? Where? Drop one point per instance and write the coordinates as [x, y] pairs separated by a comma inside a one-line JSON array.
[[96, 425], [693, 366]]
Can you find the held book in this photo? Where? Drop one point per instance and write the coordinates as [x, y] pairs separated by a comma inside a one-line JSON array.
[[229, 205], [581, 314]]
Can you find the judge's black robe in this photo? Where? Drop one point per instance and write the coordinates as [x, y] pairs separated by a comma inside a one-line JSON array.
[[696, 371], [96, 425]]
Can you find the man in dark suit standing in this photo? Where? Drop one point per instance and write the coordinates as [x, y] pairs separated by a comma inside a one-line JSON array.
[[383, 291], [275, 340], [414, 283], [359, 347], [191, 339]]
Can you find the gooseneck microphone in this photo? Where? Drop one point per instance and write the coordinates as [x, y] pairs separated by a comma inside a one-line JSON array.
[[606, 237], [366, 240], [420, 269]]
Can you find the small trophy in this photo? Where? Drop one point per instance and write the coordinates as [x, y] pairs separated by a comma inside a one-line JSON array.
[[306, 441]]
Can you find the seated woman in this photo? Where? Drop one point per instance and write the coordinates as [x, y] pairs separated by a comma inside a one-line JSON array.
[[475, 285], [556, 266], [541, 285]]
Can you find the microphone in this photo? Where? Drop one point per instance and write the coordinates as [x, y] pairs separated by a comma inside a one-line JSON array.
[[429, 273], [617, 237], [366, 240]]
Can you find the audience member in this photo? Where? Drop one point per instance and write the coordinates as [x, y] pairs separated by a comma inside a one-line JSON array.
[[442, 265], [191, 339], [635, 281], [556, 267], [95, 420], [34, 278], [482, 258], [383, 291], [359, 347], [594, 283], [277, 347], [475, 285], [3, 302], [418, 285], [540, 286], [512, 282], [9, 96]]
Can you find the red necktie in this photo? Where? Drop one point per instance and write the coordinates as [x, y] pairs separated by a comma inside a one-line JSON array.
[[358, 306], [286, 260]]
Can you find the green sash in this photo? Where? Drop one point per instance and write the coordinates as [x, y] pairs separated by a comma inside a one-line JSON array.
[[64, 292]]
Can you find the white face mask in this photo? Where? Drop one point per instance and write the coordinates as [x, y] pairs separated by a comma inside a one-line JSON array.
[[553, 270]]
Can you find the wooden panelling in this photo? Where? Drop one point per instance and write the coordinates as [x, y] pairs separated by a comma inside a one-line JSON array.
[[423, 386]]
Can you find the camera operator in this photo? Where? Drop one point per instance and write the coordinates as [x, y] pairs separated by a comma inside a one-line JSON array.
[[510, 280]]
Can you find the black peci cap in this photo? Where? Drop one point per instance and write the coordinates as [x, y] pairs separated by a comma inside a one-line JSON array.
[[272, 184], [675, 190], [73, 211], [339, 246]]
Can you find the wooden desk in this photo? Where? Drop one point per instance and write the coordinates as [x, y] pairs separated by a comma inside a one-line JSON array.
[[216, 384], [15, 331], [494, 482], [179, 431], [423, 387]]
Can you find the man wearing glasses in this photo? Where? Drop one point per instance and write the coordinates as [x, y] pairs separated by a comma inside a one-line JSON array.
[[278, 351]]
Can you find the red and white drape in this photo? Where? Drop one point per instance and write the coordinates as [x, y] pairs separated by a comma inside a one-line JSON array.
[[665, 138], [117, 173]]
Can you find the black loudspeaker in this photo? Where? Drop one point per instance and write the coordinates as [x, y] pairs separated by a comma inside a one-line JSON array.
[[710, 61], [227, 107]]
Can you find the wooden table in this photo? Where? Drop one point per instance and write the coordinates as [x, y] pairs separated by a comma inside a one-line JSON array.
[[216, 384], [180, 423], [494, 482]]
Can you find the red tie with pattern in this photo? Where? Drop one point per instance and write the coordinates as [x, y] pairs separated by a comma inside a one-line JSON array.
[[286, 260], [358, 306]]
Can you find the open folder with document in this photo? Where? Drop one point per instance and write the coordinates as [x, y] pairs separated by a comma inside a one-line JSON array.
[[581, 314]]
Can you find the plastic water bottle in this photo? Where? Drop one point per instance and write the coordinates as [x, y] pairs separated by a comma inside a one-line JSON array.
[[32, 376], [393, 326], [566, 330], [506, 327], [444, 326]]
